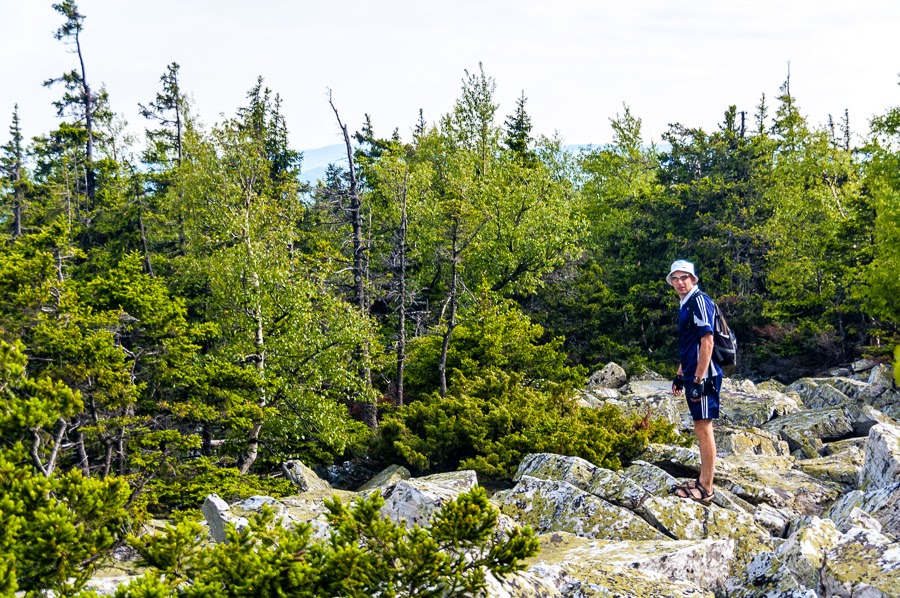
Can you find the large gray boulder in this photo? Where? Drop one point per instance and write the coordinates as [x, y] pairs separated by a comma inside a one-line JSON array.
[[413, 502], [304, 478], [883, 504], [806, 431], [552, 505], [218, 516], [753, 478], [387, 477], [752, 409], [606, 484], [842, 468], [611, 376], [749, 441], [863, 563], [882, 462], [778, 482], [685, 519], [792, 569], [670, 568]]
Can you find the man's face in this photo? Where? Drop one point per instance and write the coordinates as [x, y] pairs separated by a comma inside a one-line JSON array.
[[682, 282]]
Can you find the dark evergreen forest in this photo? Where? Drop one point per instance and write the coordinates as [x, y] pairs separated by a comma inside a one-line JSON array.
[[180, 313]]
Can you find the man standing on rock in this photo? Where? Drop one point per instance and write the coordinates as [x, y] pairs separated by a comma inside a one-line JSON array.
[[698, 376]]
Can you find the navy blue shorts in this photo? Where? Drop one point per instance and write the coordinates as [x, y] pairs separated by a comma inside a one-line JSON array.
[[706, 407]]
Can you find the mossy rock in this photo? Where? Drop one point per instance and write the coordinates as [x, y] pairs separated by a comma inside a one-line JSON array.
[[635, 568], [862, 564], [842, 468], [552, 505]]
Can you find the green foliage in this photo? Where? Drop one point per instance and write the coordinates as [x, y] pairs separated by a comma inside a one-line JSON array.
[[493, 334], [55, 525], [490, 422], [192, 481], [366, 555]]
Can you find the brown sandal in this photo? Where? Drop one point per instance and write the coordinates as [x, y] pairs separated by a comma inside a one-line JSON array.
[[696, 493], [684, 486]]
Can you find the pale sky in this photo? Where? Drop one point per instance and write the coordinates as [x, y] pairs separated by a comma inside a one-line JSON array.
[[577, 61]]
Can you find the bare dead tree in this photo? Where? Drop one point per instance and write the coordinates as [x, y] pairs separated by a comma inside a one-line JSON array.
[[354, 211]]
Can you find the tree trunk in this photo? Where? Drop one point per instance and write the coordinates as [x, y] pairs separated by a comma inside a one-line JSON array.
[[83, 462], [401, 315], [369, 408], [88, 123], [452, 300], [259, 344], [147, 264]]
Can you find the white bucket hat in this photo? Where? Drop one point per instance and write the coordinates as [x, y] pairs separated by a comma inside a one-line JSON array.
[[683, 266]]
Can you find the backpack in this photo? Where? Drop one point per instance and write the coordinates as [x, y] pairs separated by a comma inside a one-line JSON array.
[[725, 342]]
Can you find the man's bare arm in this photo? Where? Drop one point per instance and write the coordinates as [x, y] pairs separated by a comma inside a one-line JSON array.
[[706, 350]]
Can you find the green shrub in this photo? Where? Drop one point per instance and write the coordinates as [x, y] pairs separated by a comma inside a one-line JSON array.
[[489, 423], [192, 481], [494, 333], [366, 555]]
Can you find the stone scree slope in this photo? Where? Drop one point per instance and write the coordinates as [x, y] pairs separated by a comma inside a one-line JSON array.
[[807, 499]]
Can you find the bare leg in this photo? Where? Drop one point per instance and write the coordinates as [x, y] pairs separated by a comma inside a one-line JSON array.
[[704, 430]]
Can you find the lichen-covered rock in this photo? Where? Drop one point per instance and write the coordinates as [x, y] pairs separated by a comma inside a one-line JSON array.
[[776, 481], [753, 409], [883, 504], [685, 519], [772, 385], [860, 519], [389, 476], [255, 504], [643, 373], [865, 416], [749, 441], [826, 396], [649, 478], [881, 467], [792, 570], [842, 468], [608, 485], [582, 567], [522, 584], [552, 505], [611, 376], [823, 424], [890, 405], [549, 466], [839, 446], [803, 387], [304, 478], [217, 515], [597, 397], [677, 459], [863, 365], [647, 388], [775, 521], [863, 563], [413, 502], [309, 507], [458, 481]]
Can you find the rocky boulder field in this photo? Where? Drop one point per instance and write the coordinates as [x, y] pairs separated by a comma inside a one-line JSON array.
[[807, 505]]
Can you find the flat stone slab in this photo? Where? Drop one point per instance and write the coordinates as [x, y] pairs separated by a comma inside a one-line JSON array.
[[635, 568], [552, 505], [842, 468]]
